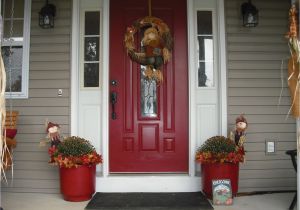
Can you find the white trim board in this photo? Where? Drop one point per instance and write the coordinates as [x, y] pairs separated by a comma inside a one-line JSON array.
[[150, 183], [105, 90], [222, 67], [74, 68], [192, 84]]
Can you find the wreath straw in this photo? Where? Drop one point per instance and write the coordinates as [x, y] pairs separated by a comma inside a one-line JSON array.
[[152, 69]]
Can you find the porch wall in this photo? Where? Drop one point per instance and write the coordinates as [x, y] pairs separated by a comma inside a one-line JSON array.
[[49, 71], [254, 86]]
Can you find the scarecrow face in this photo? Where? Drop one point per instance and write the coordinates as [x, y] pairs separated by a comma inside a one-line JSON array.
[[151, 34], [53, 129], [241, 125]]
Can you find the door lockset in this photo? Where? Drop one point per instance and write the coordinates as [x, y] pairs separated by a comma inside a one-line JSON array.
[[113, 101]]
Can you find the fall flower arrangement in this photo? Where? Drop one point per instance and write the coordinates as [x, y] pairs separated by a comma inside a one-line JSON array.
[[73, 152], [219, 149]]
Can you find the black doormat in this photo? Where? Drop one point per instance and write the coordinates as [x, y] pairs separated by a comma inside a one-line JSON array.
[[149, 201]]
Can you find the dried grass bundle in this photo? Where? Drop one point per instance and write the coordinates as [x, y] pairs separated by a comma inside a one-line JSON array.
[[3, 145]]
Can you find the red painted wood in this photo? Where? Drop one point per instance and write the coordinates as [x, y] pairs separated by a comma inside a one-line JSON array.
[[136, 143]]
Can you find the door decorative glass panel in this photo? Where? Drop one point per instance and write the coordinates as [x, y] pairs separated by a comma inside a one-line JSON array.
[[148, 95]]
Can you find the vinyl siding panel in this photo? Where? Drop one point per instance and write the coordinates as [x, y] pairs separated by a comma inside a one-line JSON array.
[[49, 71], [257, 60]]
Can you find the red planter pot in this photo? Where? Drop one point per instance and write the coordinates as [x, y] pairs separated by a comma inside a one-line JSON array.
[[212, 171], [78, 184]]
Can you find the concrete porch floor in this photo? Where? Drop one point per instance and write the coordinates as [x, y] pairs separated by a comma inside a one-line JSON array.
[[36, 201]]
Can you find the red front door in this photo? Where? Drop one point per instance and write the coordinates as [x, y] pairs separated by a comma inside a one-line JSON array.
[[150, 131]]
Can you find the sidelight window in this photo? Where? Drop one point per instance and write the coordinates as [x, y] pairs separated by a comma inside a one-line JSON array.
[[91, 57], [205, 48]]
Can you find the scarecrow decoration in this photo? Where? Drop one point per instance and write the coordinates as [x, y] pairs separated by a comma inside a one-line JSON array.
[[156, 44], [241, 125], [293, 63], [53, 134], [238, 136]]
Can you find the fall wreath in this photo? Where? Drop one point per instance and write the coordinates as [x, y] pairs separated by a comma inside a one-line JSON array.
[[156, 45]]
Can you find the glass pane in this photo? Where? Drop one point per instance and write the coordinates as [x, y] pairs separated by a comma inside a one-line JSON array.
[[16, 80], [204, 22], [91, 49], [13, 68], [92, 23], [18, 8], [206, 74], [91, 75], [205, 48], [17, 28], [148, 95], [16, 58]]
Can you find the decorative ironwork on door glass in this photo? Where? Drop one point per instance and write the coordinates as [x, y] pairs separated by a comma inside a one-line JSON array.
[[148, 91]]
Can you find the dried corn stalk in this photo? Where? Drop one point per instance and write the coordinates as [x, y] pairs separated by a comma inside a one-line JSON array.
[[293, 64], [3, 145]]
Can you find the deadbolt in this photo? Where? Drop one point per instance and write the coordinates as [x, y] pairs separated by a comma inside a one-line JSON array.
[[113, 82]]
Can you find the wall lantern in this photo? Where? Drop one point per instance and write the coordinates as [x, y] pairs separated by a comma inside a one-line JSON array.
[[46, 16], [250, 14]]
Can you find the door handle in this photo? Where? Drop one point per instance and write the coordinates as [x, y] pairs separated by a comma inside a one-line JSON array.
[[113, 101]]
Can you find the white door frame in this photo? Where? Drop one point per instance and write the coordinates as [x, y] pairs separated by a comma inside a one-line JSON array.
[[148, 183]]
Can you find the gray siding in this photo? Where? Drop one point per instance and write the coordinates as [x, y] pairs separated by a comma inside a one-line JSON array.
[[49, 71], [254, 85]]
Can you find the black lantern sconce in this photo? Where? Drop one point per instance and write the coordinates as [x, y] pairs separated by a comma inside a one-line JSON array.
[[250, 14], [46, 16]]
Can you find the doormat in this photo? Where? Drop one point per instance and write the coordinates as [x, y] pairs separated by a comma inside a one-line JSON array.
[[149, 201]]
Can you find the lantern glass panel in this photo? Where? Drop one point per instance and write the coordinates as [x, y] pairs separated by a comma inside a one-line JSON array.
[[46, 21]]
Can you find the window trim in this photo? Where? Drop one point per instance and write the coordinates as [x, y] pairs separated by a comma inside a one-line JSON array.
[[25, 56]]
